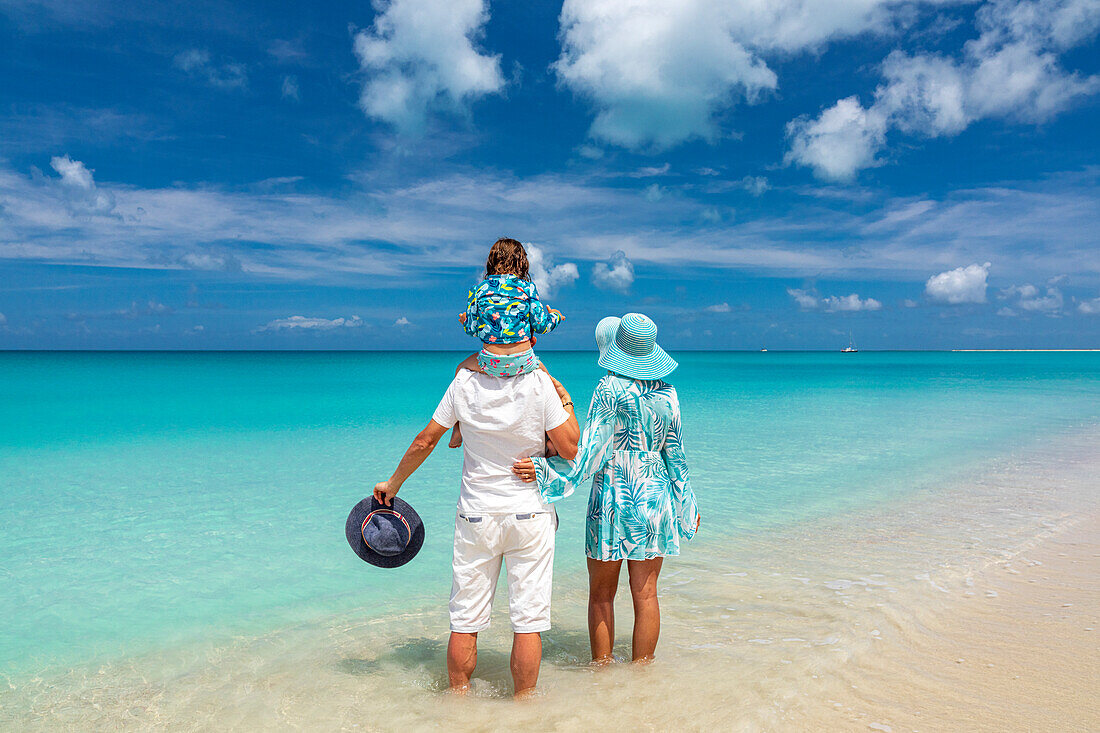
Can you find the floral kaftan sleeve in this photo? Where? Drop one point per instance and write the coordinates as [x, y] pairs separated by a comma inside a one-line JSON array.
[[472, 316], [557, 478], [541, 318], [683, 497]]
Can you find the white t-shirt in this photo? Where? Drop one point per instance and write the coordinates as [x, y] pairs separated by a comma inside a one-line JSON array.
[[503, 419]]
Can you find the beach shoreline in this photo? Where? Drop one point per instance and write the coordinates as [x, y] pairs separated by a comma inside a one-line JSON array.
[[847, 622], [1024, 656]]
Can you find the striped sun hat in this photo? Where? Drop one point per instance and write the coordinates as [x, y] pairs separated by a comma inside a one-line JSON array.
[[605, 332], [634, 353]]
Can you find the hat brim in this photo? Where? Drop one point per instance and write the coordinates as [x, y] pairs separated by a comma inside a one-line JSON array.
[[353, 530], [657, 364]]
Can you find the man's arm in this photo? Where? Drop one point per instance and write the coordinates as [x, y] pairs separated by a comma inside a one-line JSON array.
[[422, 447], [565, 436]]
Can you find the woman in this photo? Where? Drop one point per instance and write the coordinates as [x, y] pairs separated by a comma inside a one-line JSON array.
[[642, 503]]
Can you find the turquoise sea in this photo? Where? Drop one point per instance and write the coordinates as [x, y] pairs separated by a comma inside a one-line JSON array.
[[154, 499]]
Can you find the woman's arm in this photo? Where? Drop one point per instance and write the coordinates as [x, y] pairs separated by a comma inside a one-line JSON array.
[[557, 478], [683, 497]]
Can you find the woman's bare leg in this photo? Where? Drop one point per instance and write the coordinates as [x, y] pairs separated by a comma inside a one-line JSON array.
[[470, 362], [603, 581], [647, 613]]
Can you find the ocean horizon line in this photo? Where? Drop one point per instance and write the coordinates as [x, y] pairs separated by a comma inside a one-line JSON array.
[[557, 351]]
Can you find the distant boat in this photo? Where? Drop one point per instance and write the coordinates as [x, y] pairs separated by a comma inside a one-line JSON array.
[[851, 347], [763, 349]]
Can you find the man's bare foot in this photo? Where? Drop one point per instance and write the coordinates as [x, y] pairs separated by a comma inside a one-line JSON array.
[[527, 694], [462, 691], [602, 661]]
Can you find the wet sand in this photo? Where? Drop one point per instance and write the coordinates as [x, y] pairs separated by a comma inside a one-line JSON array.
[[1023, 655], [971, 607]]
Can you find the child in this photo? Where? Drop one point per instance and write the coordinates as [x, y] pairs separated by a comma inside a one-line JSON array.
[[505, 312]]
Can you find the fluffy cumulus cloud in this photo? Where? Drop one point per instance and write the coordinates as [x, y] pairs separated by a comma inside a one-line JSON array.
[[1012, 70], [1036, 300], [843, 140], [809, 300], [198, 63], [302, 323], [546, 275], [616, 274], [78, 186], [718, 308], [659, 73], [402, 322], [419, 55], [961, 285], [1090, 307]]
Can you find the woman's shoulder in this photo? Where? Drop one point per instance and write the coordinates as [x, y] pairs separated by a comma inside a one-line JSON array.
[[660, 389]]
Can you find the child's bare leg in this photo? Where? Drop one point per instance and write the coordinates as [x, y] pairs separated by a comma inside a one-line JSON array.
[[470, 362]]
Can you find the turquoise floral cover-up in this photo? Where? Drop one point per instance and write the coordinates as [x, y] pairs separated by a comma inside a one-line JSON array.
[[642, 503], [502, 309]]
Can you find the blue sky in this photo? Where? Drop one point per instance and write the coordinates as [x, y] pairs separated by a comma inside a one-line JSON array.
[[330, 175]]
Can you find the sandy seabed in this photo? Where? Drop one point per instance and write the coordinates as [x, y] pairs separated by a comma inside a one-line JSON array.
[[973, 607]]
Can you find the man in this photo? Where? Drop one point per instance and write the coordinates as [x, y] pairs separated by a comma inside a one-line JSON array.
[[500, 518]]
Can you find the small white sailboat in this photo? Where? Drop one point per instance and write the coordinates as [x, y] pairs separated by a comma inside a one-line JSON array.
[[851, 347]]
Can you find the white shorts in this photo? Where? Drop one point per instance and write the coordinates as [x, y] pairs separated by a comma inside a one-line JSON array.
[[525, 542]]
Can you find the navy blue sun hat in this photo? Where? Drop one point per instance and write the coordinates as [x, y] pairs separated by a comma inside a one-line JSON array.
[[386, 536], [634, 353]]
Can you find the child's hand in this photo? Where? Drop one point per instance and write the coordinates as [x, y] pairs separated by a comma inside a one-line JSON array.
[[556, 312], [462, 318]]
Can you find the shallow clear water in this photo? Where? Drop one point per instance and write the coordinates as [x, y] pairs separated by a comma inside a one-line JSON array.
[[152, 499]]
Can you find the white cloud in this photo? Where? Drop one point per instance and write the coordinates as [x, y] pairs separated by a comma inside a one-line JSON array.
[[287, 52], [302, 323], [616, 274], [419, 56], [850, 303], [1011, 70], [402, 322], [197, 62], [842, 141], [79, 188], [756, 185], [656, 72], [718, 308], [547, 276], [212, 262], [1090, 307], [653, 193], [290, 88], [809, 300], [961, 285], [1031, 298], [436, 224], [910, 303], [649, 171], [805, 299], [659, 73], [3, 319]]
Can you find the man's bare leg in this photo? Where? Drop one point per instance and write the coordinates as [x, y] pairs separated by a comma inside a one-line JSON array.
[[461, 661], [526, 658]]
